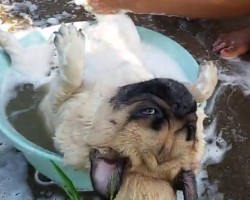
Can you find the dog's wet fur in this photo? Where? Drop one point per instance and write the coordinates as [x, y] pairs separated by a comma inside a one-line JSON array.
[[141, 141], [162, 109]]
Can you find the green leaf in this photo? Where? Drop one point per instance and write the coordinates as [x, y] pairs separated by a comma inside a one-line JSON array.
[[68, 187], [112, 188]]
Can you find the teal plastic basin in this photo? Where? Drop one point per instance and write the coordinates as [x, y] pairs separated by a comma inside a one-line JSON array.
[[39, 157]]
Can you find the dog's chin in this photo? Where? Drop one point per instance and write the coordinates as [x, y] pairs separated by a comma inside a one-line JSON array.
[[106, 173]]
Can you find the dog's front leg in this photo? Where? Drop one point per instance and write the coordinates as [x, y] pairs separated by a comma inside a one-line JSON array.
[[12, 47], [70, 45]]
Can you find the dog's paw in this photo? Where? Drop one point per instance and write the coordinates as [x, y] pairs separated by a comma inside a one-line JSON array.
[[204, 87], [7, 40], [12, 47], [208, 72], [4, 37], [207, 80], [70, 44]]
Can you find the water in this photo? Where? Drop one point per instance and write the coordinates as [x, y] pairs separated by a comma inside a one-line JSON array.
[[23, 114]]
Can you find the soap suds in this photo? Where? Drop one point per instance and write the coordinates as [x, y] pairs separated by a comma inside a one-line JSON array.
[[13, 173], [215, 150], [238, 76], [24, 14]]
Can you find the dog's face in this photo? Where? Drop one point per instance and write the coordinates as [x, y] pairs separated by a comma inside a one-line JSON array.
[[153, 130]]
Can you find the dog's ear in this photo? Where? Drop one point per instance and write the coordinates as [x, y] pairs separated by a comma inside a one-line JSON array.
[[186, 182]]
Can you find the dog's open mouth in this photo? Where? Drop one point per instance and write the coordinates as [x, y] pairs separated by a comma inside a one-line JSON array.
[[106, 172]]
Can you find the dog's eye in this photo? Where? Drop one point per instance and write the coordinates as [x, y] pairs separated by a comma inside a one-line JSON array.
[[149, 111]]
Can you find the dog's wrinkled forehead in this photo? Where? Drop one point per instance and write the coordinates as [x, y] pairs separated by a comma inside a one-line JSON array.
[[172, 92]]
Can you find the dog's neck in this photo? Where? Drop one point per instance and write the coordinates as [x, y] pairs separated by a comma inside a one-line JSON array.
[[141, 187]]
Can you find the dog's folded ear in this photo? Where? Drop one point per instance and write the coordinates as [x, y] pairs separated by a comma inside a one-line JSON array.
[[186, 182]]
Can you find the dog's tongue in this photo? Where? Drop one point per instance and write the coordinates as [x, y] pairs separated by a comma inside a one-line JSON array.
[[106, 175], [103, 172]]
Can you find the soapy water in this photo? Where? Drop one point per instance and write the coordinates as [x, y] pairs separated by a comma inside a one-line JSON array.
[[28, 13], [215, 150], [235, 77], [216, 147], [13, 173], [238, 76]]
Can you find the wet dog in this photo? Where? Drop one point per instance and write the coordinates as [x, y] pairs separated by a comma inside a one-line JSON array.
[[142, 140]]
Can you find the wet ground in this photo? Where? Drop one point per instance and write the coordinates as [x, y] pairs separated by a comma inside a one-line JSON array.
[[231, 108]]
